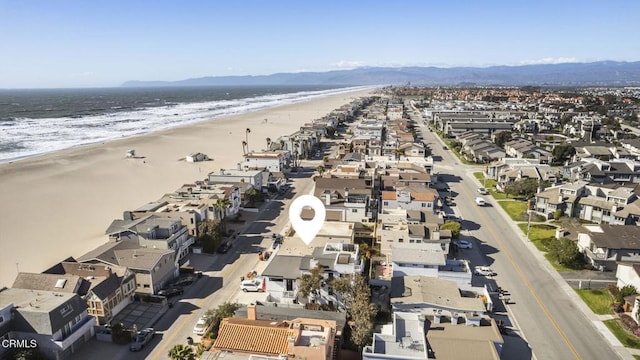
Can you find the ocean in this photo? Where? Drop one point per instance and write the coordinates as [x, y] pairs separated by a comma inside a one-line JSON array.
[[34, 122]]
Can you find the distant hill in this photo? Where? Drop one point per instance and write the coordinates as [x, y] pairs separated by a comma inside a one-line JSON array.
[[602, 73]]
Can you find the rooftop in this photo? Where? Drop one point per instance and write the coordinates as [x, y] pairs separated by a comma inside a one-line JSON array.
[[415, 289]]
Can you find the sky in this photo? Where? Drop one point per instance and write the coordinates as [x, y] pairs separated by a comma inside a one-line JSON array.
[[62, 44]]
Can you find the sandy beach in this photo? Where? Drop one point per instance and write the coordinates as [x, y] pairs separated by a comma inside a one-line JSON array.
[[59, 205]]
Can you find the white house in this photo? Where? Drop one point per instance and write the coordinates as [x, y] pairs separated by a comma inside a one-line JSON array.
[[274, 161]]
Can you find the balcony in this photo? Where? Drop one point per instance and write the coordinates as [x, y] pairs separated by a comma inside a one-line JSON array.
[[80, 329]]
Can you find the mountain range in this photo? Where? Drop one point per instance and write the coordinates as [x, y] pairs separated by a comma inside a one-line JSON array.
[[602, 73]]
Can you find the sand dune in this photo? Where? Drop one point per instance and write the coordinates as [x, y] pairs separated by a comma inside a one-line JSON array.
[[59, 205]]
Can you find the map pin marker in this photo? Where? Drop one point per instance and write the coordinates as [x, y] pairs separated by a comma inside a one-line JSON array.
[[307, 229]]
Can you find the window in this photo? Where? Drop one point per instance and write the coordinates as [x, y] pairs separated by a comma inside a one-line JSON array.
[[424, 205], [354, 210], [385, 203], [400, 240], [146, 286]]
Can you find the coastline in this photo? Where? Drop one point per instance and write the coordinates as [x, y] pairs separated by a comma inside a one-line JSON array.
[[59, 204]]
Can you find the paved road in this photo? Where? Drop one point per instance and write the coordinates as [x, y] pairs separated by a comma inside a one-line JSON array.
[[219, 284], [543, 312]]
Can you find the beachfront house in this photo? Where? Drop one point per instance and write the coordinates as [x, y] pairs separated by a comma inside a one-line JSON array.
[[153, 268], [273, 161], [110, 288], [154, 232], [255, 178], [55, 323]]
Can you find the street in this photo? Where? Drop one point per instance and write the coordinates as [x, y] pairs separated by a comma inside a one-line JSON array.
[[542, 309]]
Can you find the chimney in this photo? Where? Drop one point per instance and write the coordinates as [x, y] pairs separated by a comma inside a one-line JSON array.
[[251, 312], [560, 198], [127, 215], [435, 235], [327, 198]]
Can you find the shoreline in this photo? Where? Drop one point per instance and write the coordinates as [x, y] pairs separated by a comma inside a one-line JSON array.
[[310, 96], [58, 204]]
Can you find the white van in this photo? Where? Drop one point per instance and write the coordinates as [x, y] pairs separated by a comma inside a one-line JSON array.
[[480, 201]]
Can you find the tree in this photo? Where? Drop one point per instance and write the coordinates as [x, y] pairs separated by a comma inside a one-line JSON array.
[[564, 251], [246, 137], [268, 143], [28, 354], [562, 152], [181, 352], [209, 235], [625, 291], [525, 188], [312, 282], [343, 289], [454, 226], [362, 313], [222, 312], [221, 206], [245, 146], [320, 169]]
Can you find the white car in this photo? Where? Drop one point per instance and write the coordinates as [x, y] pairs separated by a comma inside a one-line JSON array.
[[203, 325], [480, 201], [464, 244], [484, 271], [251, 285], [482, 191]]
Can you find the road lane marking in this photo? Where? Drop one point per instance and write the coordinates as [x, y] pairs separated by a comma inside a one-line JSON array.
[[523, 277]]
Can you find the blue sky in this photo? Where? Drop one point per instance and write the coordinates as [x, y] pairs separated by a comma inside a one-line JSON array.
[[55, 43]]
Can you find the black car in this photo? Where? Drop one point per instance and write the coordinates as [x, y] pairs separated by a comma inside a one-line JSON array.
[[172, 291], [224, 247]]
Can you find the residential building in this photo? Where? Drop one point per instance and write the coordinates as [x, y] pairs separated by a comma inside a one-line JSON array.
[[311, 339], [58, 322], [410, 198], [111, 288], [153, 232], [604, 245], [277, 160], [416, 336], [232, 176], [153, 268], [345, 199]]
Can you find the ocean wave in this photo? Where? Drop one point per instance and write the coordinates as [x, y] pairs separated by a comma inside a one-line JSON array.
[[25, 137]]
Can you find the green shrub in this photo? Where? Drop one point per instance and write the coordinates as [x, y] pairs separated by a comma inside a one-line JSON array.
[[557, 214]]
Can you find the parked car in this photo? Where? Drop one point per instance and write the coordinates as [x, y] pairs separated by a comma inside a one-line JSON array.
[[203, 325], [482, 191], [187, 280], [142, 338], [170, 292], [464, 244], [484, 271], [480, 201], [452, 217], [224, 247], [251, 285]]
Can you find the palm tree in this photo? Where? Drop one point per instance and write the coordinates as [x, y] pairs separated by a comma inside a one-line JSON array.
[[181, 352], [246, 137], [244, 147], [221, 206], [268, 143]]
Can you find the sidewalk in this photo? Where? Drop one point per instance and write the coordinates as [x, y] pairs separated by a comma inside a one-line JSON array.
[[623, 352]]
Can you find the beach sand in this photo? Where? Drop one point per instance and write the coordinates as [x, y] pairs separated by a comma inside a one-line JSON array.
[[59, 205]]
